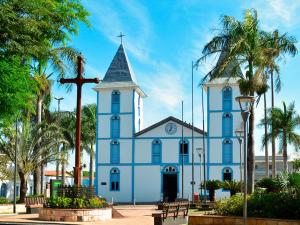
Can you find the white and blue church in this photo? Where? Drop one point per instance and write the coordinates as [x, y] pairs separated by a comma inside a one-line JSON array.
[[137, 164]]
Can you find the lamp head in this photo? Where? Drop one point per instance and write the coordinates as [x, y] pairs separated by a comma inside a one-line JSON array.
[[239, 132], [245, 101]]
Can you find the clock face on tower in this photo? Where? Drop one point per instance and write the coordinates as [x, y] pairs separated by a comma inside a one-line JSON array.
[[170, 128]]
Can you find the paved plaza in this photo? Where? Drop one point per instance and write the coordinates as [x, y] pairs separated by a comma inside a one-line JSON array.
[[133, 215]]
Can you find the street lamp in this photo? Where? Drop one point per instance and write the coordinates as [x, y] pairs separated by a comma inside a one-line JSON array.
[[239, 134], [246, 103], [200, 152]]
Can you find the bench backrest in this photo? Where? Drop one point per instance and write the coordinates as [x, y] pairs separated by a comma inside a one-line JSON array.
[[34, 200]]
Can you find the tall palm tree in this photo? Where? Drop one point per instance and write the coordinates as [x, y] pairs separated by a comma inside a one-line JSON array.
[[283, 124], [29, 136], [60, 59], [89, 135], [278, 45], [242, 42]]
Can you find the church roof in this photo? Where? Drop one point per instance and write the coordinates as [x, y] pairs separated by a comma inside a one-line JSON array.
[[170, 118], [120, 69], [233, 65]]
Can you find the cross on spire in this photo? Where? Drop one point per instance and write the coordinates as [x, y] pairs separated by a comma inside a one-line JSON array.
[[121, 37]]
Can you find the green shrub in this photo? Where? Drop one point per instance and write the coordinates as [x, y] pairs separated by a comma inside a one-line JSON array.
[[270, 184], [281, 205], [4, 200], [230, 206], [233, 186], [76, 203]]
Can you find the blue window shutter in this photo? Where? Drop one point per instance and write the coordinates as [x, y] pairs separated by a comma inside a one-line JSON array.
[[115, 127], [227, 99], [115, 102], [227, 125], [227, 151], [115, 153], [184, 151], [156, 151]]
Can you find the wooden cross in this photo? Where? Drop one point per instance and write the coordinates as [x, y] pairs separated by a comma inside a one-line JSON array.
[[79, 81], [121, 36]]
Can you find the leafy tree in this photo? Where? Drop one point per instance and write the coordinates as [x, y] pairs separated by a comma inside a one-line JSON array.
[[242, 42], [296, 165], [16, 89], [27, 158], [283, 124], [89, 135], [31, 27]]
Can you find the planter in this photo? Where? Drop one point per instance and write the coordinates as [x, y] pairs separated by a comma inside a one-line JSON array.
[[231, 220], [75, 215], [8, 208]]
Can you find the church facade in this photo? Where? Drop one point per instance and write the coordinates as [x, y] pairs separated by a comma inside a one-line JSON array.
[[137, 164]]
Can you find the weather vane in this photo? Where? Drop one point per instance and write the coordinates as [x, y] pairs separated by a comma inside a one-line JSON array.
[[121, 36]]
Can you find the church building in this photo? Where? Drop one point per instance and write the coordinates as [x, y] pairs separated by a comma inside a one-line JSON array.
[[135, 164]]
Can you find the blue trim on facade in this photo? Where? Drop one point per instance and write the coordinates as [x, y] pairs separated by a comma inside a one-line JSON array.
[[133, 146], [114, 152], [222, 111], [115, 105], [227, 124], [229, 99], [179, 138], [208, 131], [110, 114], [170, 164], [227, 142], [116, 121], [162, 172], [224, 190], [97, 150]]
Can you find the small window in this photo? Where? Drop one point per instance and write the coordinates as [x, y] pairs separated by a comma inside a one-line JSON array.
[[115, 102], [227, 174], [184, 151], [156, 151], [115, 179], [115, 127], [227, 125], [227, 99]]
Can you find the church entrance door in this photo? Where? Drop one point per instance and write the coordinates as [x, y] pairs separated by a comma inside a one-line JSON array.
[[169, 187]]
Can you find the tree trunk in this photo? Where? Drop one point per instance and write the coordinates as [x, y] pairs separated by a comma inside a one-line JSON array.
[[91, 174], [251, 153], [63, 166], [212, 194], [273, 138], [42, 177], [284, 152], [23, 187], [266, 132], [37, 171]]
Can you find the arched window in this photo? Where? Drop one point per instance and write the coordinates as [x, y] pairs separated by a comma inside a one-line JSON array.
[[115, 127], [156, 151], [114, 152], [115, 102], [227, 125], [227, 98], [114, 179], [184, 151], [170, 169], [3, 190], [227, 151], [227, 174]]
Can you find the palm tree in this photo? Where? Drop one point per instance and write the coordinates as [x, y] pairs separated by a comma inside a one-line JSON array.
[[283, 124], [242, 43], [212, 186], [59, 59], [89, 135], [277, 46], [46, 136], [233, 186]]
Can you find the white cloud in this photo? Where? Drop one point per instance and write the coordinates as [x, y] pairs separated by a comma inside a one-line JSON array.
[[277, 12], [128, 17]]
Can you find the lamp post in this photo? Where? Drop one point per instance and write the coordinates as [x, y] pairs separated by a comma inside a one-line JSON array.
[[58, 111], [239, 134], [200, 151], [245, 103], [15, 169]]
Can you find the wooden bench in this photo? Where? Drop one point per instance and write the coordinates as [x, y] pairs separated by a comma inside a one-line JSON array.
[[33, 204], [172, 213]]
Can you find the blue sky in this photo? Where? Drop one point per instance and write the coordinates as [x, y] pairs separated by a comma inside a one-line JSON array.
[[163, 38]]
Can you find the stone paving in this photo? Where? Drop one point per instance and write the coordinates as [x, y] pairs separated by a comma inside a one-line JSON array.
[[133, 215]]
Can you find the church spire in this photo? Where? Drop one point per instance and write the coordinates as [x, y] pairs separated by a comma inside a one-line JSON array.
[[120, 69]]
